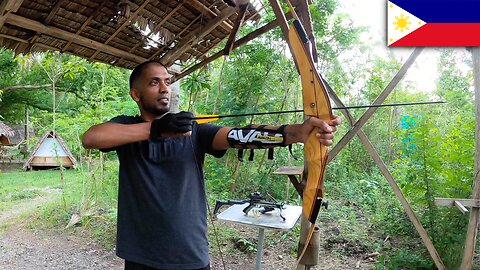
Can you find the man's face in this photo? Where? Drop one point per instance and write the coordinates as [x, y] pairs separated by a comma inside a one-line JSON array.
[[153, 90]]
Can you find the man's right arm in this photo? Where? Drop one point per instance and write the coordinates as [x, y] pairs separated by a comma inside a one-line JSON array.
[[110, 135]]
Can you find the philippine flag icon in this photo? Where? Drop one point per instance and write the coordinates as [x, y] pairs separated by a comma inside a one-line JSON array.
[[433, 23]]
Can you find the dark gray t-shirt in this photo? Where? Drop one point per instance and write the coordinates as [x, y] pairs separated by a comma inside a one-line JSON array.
[[162, 214]]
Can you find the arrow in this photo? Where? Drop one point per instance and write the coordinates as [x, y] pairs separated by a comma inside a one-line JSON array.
[[206, 118]]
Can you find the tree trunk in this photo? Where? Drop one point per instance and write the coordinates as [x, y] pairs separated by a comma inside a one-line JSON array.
[[175, 95]]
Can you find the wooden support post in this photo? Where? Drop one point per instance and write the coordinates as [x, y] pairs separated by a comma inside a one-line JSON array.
[[475, 213], [292, 172]]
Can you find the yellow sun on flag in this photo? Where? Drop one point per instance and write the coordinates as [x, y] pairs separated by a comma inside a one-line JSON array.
[[402, 23]]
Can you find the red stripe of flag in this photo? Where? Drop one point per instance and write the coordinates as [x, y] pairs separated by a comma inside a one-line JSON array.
[[443, 34]]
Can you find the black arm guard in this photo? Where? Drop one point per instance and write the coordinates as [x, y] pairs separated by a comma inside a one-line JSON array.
[[256, 138]]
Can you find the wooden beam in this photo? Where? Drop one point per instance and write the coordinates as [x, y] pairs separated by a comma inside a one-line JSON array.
[[195, 37], [471, 237], [62, 34], [46, 22], [391, 180], [236, 28], [177, 36], [124, 24], [157, 27], [280, 17], [260, 31], [451, 202], [170, 43], [202, 54], [291, 172], [8, 6], [53, 12], [208, 12], [379, 100], [85, 24], [14, 38]]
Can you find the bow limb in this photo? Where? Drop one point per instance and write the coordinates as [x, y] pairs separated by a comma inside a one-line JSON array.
[[316, 103]]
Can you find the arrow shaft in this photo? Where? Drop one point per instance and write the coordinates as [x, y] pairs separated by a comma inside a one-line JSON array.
[[337, 108]]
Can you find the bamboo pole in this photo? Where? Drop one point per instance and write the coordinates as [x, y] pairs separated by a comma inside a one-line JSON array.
[[475, 213]]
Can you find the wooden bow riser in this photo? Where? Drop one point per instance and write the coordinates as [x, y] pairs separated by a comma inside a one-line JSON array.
[[315, 103]]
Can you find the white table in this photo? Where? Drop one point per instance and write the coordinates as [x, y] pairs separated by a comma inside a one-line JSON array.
[[269, 220]]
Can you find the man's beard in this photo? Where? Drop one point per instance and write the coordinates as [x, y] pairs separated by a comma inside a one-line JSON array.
[[153, 108]]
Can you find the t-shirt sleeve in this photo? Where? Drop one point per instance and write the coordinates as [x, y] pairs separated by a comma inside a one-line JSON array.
[[207, 133], [121, 119]]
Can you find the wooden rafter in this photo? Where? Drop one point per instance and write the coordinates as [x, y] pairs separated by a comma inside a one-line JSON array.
[[260, 31], [83, 41], [208, 12], [85, 24], [280, 17], [8, 6], [177, 36], [195, 36], [125, 24], [14, 38], [46, 22], [54, 11], [236, 28], [157, 26]]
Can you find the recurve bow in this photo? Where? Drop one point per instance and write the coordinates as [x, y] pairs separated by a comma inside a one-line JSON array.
[[316, 103]]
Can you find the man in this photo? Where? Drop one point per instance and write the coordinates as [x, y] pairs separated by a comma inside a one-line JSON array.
[[162, 215]]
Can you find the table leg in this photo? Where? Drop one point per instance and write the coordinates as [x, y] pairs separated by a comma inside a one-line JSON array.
[[261, 237]]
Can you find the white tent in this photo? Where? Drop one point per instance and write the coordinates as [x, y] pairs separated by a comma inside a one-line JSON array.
[[51, 151]]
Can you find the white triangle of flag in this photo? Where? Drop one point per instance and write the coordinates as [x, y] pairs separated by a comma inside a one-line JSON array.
[[400, 23]]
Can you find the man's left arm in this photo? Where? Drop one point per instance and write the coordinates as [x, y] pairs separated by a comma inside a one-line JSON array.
[[293, 133]]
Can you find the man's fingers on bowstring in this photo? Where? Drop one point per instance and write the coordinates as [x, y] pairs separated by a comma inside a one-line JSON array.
[[336, 120], [320, 125], [326, 142], [325, 136]]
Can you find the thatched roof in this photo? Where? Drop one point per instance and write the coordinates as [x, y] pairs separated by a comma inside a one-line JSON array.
[[6, 130], [19, 136], [111, 31]]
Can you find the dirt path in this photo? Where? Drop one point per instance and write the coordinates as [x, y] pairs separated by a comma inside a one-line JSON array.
[[22, 248], [26, 206]]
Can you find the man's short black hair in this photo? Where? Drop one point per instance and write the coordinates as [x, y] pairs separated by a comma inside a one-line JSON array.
[[138, 70]]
